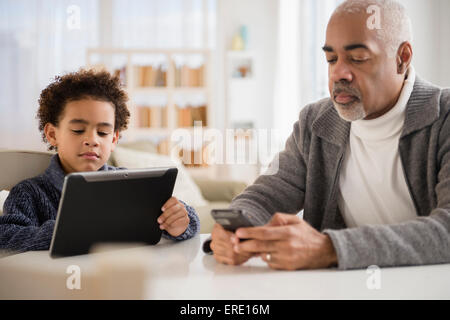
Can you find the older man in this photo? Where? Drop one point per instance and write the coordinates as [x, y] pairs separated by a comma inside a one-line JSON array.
[[370, 165]]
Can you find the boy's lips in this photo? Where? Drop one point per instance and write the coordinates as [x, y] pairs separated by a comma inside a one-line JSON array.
[[89, 155]]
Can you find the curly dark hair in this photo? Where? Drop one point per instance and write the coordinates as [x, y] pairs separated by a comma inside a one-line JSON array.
[[98, 85]]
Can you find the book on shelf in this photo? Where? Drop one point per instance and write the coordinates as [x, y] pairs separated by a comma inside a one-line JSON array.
[[194, 158], [198, 114], [148, 76], [189, 77], [151, 117], [164, 147], [188, 115], [143, 115]]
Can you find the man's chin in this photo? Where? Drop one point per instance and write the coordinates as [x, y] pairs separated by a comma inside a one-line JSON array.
[[350, 112]]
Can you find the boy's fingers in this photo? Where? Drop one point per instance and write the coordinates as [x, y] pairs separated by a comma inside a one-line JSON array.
[[179, 222], [168, 212], [169, 203], [175, 216], [175, 224]]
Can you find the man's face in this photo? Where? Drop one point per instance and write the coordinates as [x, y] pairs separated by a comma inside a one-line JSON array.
[[363, 80], [85, 135]]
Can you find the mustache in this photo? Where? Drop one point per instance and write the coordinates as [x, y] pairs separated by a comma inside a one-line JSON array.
[[340, 87]]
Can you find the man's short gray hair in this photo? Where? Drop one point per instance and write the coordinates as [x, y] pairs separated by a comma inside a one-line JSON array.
[[395, 26]]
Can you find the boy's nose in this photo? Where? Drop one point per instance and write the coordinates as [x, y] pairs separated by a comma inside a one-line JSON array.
[[90, 141]]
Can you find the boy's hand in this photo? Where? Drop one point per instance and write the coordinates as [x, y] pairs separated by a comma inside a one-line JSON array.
[[174, 218]]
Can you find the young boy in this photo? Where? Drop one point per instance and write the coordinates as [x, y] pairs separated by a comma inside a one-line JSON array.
[[80, 116]]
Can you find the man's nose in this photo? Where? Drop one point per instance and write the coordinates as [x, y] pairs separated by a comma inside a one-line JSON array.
[[340, 71]]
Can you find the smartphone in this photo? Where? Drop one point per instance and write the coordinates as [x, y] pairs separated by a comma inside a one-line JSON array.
[[231, 219]]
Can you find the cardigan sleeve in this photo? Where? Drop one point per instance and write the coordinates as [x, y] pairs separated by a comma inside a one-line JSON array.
[[20, 227]]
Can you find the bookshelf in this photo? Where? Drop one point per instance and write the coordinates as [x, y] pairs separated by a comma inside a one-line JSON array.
[[168, 89], [241, 89]]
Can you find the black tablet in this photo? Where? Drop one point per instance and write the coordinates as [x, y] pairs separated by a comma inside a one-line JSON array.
[[110, 207]]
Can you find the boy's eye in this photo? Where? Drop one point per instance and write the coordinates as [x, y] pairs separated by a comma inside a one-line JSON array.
[[102, 134], [78, 131]]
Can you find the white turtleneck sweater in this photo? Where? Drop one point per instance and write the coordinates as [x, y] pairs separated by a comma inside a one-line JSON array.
[[372, 183]]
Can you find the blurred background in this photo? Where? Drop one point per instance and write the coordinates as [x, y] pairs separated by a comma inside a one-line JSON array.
[[218, 64]]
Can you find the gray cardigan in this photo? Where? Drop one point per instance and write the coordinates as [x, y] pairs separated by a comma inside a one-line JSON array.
[[308, 173]]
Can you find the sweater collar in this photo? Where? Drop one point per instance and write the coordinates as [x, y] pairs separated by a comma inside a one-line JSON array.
[[422, 110], [56, 174], [391, 123]]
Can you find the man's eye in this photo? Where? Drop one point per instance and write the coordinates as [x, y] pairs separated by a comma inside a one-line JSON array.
[[331, 60], [358, 60]]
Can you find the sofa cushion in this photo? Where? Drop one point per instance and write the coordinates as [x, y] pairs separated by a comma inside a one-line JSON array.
[[220, 190], [140, 145], [185, 188], [3, 195]]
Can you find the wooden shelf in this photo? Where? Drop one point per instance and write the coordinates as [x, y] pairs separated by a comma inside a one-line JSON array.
[[164, 90], [157, 131], [168, 72], [105, 50]]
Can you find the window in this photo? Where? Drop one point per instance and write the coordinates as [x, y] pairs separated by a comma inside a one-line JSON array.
[[40, 39], [301, 76]]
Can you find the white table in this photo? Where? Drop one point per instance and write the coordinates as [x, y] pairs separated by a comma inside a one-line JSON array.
[[180, 270]]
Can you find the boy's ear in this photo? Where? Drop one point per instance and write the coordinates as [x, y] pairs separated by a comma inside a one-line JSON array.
[[50, 134], [115, 140]]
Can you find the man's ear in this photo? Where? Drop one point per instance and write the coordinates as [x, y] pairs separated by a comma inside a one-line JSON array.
[[50, 134], [404, 57], [115, 140]]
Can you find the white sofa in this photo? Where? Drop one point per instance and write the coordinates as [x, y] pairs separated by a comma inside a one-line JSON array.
[[202, 194]]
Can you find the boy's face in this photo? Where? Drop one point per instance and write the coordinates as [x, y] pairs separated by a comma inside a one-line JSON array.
[[85, 135]]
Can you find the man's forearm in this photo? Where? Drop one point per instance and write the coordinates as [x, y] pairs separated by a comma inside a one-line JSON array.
[[417, 242]]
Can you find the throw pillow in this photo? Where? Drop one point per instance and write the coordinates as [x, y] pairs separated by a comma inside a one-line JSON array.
[[185, 188]]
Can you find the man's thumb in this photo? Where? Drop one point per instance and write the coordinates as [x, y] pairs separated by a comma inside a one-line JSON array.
[[282, 219]]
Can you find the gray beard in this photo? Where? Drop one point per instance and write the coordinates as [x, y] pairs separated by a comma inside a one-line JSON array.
[[351, 113]]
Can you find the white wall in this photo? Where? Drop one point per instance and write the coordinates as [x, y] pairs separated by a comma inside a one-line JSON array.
[[431, 46], [260, 17], [443, 41], [431, 28]]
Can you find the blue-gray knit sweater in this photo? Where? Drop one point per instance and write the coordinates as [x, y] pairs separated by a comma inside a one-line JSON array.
[[31, 207]]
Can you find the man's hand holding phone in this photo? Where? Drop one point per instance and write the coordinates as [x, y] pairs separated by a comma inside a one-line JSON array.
[[222, 245], [286, 242], [224, 241]]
